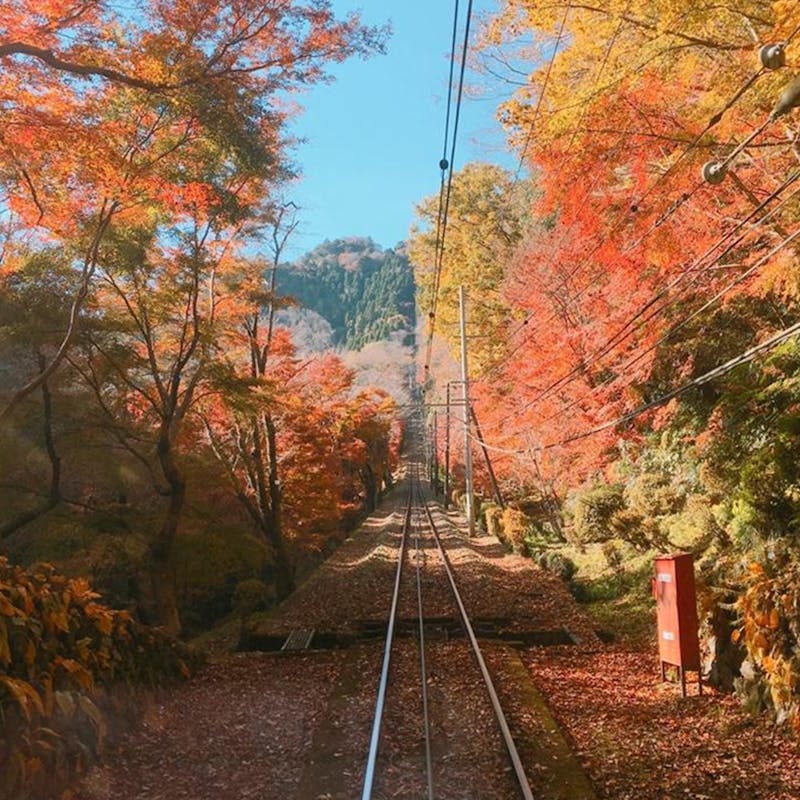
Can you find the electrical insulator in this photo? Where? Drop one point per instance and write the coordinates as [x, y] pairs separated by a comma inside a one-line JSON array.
[[714, 172], [772, 56], [788, 100], [444, 164]]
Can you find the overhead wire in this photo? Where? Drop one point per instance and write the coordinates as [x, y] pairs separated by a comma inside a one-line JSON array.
[[673, 208], [603, 64], [443, 163], [722, 369], [739, 279], [666, 337], [748, 355], [586, 364], [442, 238], [743, 358], [670, 211], [625, 331], [542, 93]]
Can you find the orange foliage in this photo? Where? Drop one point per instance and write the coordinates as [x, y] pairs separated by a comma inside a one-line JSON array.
[[627, 239]]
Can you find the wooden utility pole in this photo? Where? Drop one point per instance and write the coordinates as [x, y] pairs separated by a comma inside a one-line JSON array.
[[462, 303], [447, 453]]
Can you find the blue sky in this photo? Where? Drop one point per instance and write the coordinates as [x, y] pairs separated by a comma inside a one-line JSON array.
[[374, 137]]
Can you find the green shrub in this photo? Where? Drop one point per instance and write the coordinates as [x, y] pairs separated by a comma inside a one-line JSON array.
[[251, 595], [612, 555], [208, 566], [559, 564], [653, 495], [594, 511], [634, 583]]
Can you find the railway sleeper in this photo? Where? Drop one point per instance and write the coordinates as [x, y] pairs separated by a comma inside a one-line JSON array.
[[436, 629]]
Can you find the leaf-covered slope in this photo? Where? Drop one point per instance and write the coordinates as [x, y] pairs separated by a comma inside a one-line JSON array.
[[364, 291]]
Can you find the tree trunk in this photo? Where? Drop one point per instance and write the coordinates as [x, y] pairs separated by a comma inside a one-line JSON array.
[[165, 594], [161, 551], [725, 656], [107, 211], [371, 488], [54, 492], [284, 577]]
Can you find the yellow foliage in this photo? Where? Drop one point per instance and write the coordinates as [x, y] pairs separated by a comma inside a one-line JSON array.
[[56, 645], [23, 694], [702, 52], [771, 632], [486, 214], [515, 526]]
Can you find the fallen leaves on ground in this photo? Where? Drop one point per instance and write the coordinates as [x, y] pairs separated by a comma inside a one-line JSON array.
[[640, 739]]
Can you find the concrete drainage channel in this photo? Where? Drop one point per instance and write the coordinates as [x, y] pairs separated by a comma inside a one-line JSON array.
[[436, 629]]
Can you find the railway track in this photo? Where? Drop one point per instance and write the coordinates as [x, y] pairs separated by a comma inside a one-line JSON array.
[[419, 536]]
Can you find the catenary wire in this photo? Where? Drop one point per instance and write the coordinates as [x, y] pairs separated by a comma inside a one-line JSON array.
[[443, 237]]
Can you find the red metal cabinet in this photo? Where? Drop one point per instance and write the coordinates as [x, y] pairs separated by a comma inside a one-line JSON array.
[[676, 606]]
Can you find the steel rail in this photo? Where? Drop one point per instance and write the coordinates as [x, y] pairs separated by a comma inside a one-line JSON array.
[[422, 665], [377, 724], [508, 739]]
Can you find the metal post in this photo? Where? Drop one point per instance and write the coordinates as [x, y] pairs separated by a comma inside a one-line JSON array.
[[436, 452], [447, 453], [428, 462], [430, 451], [462, 303]]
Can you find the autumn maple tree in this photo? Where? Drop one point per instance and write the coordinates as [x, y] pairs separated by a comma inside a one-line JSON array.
[[102, 114], [143, 151], [661, 243], [615, 127]]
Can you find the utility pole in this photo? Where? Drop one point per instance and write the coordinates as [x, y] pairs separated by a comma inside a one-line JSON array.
[[465, 393], [447, 453]]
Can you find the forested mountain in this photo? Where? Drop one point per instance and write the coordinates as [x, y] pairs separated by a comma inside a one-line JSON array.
[[365, 292]]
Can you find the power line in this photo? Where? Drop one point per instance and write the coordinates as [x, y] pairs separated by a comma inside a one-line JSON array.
[[670, 211], [713, 121], [600, 71], [743, 358], [444, 164], [546, 81], [440, 245], [686, 320], [626, 331], [564, 282], [570, 377]]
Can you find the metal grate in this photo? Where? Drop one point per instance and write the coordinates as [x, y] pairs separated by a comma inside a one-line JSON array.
[[298, 640]]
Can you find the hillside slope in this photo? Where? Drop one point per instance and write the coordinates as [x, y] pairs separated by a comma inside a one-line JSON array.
[[366, 293]]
